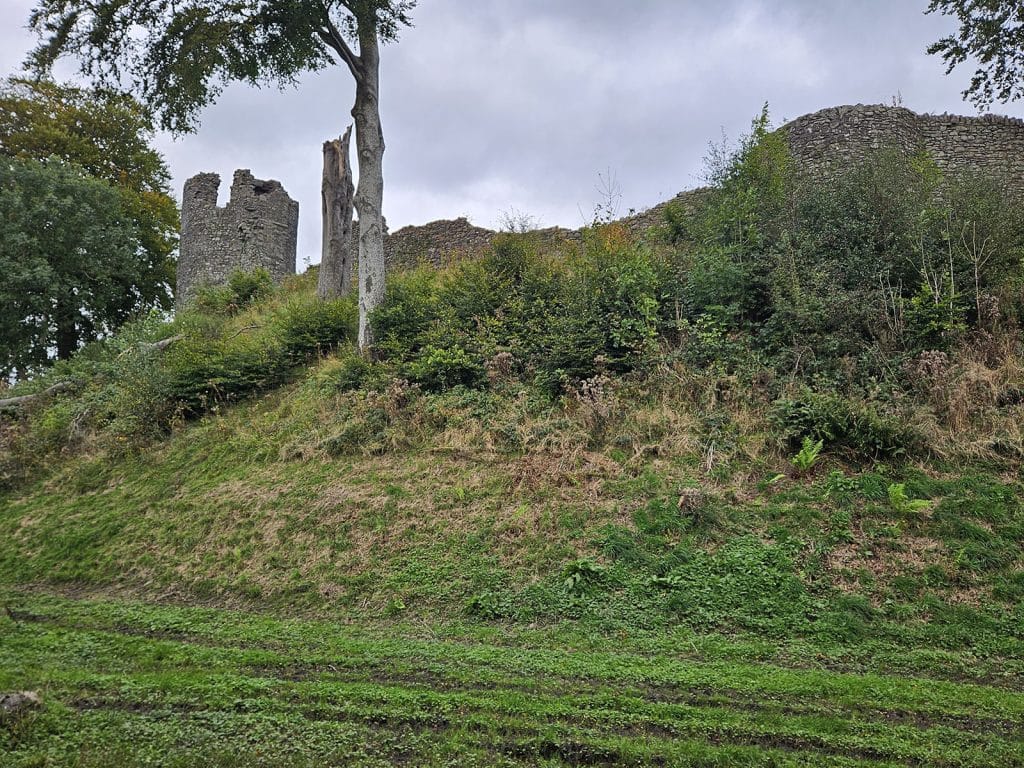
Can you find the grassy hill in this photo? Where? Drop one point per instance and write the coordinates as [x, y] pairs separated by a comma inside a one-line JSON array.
[[705, 498]]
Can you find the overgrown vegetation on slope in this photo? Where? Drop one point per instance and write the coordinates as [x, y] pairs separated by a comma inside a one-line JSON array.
[[791, 418], [879, 312]]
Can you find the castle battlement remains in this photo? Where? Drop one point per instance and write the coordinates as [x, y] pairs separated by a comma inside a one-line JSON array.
[[258, 228]]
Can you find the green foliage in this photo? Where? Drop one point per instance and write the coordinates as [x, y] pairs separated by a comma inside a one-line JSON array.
[[933, 318], [242, 291], [366, 431], [69, 266], [440, 369], [988, 35], [225, 365], [87, 215], [582, 576], [902, 504], [659, 517], [808, 455], [859, 427], [888, 256], [349, 370], [178, 57], [129, 393], [306, 327], [746, 585], [566, 319], [108, 135]]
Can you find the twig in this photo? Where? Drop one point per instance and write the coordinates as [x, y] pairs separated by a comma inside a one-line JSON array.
[[242, 330]]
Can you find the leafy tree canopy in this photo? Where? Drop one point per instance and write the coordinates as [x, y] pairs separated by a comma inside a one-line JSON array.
[[992, 33], [179, 56], [107, 135], [69, 270]]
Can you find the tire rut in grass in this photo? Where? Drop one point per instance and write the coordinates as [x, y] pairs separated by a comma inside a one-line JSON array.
[[649, 692], [521, 742]]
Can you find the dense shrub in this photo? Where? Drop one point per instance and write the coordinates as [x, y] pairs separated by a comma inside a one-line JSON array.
[[242, 291], [564, 318], [890, 254], [437, 369], [840, 422], [306, 327]]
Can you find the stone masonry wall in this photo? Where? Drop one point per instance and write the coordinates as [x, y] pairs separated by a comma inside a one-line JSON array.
[[442, 242], [437, 243], [841, 136], [257, 228]]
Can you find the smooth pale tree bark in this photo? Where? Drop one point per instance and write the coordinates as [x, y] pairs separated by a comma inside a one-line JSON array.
[[370, 194], [337, 193], [369, 200]]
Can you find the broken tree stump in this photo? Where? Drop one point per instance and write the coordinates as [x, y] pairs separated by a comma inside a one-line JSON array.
[[337, 196]]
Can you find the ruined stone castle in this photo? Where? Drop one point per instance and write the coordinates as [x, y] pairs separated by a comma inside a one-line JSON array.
[[258, 227]]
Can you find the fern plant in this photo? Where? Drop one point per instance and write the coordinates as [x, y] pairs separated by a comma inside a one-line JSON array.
[[901, 503], [808, 455]]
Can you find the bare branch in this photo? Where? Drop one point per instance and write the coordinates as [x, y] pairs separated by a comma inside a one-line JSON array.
[[159, 346], [333, 38]]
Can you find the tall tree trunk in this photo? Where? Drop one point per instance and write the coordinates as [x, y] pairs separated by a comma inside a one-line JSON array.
[[370, 194], [67, 332], [336, 193]]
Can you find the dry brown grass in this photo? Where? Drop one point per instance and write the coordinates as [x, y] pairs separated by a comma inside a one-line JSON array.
[[908, 556], [966, 397]]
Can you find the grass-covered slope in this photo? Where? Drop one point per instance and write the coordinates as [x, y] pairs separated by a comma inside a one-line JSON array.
[[667, 518], [745, 492], [644, 574]]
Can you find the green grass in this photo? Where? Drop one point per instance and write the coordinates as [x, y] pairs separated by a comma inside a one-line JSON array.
[[318, 575], [132, 684], [247, 509]]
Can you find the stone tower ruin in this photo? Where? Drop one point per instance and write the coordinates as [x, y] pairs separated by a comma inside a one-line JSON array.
[[258, 228]]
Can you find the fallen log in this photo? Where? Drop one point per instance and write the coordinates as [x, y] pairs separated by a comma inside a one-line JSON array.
[[158, 346], [17, 402]]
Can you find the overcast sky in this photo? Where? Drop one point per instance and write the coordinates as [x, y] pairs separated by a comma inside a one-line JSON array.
[[491, 106]]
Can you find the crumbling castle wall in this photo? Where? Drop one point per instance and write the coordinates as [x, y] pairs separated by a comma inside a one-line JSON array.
[[838, 137], [442, 242], [258, 228], [436, 243], [823, 144]]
